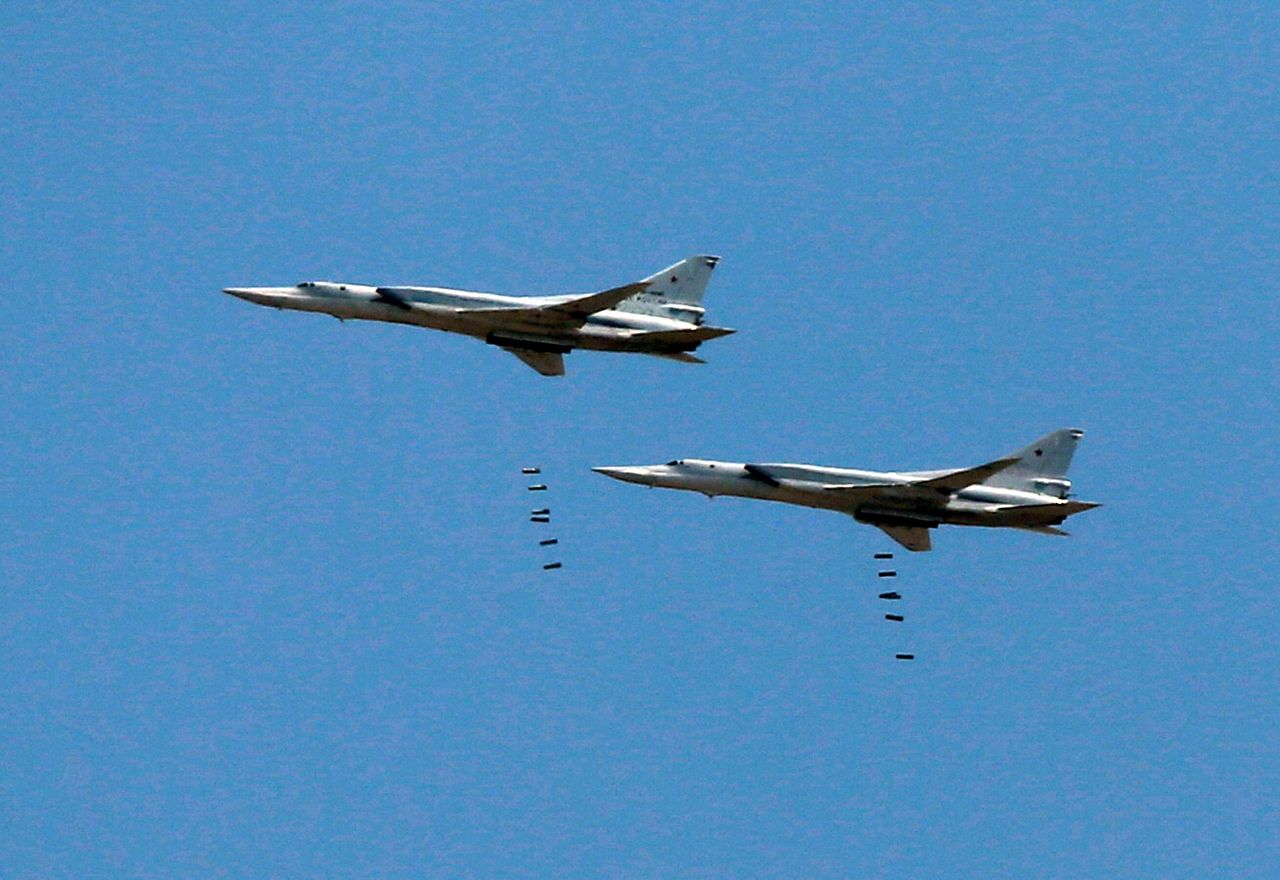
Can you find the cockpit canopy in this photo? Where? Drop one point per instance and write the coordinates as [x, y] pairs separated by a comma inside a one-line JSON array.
[[322, 287]]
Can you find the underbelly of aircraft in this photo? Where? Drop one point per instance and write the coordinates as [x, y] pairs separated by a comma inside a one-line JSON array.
[[592, 337]]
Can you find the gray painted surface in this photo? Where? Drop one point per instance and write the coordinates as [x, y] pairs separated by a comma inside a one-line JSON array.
[[660, 315], [1026, 490]]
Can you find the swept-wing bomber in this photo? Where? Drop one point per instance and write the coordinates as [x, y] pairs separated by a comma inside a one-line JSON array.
[[660, 315], [1026, 490]]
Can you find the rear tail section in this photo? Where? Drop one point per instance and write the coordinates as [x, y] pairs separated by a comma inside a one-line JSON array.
[[685, 282], [1042, 466], [675, 292]]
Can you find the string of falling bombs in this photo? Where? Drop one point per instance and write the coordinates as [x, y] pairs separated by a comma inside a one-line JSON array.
[[892, 596], [541, 515]]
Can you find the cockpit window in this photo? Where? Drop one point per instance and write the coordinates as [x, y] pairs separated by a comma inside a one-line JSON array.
[[675, 462]]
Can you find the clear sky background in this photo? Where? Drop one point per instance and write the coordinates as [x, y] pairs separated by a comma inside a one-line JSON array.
[[270, 604]]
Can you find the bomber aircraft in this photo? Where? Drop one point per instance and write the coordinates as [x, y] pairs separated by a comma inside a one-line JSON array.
[[660, 315], [1027, 490]]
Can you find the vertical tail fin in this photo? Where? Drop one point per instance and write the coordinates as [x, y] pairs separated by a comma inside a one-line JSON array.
[[1042, 466], [675, 292]]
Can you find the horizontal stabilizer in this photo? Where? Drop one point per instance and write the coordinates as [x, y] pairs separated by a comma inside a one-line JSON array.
[[682, 356], [957, 480], [1047, 530], [1040, 514], [674, 338], [1064, 507], [568, 313]]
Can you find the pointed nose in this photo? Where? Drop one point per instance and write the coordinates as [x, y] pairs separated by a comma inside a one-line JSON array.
[[263, 296], [626, 474]]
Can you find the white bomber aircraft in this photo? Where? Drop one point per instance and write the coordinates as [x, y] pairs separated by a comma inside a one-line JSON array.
[[660, 316], [1027, 490]]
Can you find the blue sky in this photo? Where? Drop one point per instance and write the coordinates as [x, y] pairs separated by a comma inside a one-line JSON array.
[[271, 606]]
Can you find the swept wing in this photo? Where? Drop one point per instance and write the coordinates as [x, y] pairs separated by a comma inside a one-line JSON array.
[[957, 480], [548, 363], [761, 473], [946, 484], [393, 297], [909, 529], [912, 537], [568, 313]]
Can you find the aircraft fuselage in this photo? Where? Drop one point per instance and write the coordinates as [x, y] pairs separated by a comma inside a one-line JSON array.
[[1025, 490], [441, 308], [809, 486], [660, 315]]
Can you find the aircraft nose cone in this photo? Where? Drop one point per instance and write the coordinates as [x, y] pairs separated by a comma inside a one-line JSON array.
[[626, 474], [263, 296]]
